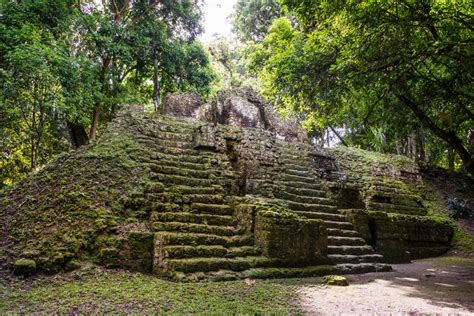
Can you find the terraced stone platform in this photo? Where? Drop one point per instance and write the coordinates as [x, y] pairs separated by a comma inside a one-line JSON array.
[[191, 200], [220, 202]]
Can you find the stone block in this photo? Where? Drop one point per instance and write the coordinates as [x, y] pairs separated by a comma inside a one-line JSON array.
[[287, 236], [24, 267], [181, 104], [401, 238]]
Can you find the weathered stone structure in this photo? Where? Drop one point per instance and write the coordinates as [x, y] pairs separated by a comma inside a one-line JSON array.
[[235, 107], [249, 198]]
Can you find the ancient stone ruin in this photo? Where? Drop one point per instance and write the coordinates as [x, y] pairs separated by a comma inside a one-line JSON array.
[[228, 189]]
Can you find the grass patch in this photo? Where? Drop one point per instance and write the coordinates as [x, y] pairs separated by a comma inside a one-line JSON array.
[[463, 240], [125, 292], [452, 259]]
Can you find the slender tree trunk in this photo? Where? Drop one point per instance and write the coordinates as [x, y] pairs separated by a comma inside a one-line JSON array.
[[411, 146], [322, 138], [328, 139], [33, 126], [39, 130], [420, 140], [338, 136], [156, 86], [95, 121], [398, 147], [449, 137], [96, 114], [450, 159], [471, 141]]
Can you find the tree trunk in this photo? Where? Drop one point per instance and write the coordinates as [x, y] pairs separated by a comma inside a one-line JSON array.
[[322, 138], [96, 115], [448, 136], [450, 159], [33, 126], [78, 134], [471, 142], [338, 136], [95, 121], [420, 140], [156, 86], [411, 146], [398, 147]]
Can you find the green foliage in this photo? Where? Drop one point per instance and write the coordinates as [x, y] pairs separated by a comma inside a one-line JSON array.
[[228, 59], [378, 70], [65, 62], [252, 18]]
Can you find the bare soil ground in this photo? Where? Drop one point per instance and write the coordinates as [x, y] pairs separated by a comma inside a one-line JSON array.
[[434, 286]]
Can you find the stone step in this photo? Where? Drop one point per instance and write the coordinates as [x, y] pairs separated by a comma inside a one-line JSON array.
[[216, 209], [303, 199], [194, 228], [202, 158], [177, 151], [259, 273], [336, 259], [182, 171], [204, 198], [299, 185], [339, 225], [177, 125], [163, 143], [322, 216], [295, 206], [181, 252], [191, 239], [182, 199], [243, 251], [357, 268], [303, 179], [186, 217], [182, 180], [163, 135], [297, 167], [190, 190], [304, 163], [345, 241], [396, 208], [214, 264], [185, 165], [304, 191], [297, 172], [376, 183], [350, 250], [154, 187], [342, 232], [195, 239], [167, 197]]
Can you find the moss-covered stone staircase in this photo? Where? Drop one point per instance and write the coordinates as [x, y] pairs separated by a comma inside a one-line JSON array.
[[190, 204], [189, 208], [301, 188]]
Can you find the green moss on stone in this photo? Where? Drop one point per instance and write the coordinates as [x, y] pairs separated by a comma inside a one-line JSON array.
[[335, 280], [24, 267]]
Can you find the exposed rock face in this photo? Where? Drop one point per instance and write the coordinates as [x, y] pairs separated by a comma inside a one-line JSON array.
[[181, 104], [236, 107]]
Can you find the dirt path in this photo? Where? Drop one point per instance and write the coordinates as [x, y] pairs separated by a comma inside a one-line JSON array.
[[423, 287]]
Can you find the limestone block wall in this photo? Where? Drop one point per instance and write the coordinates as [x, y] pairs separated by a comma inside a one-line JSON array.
[[292, 237], [401, 238]]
